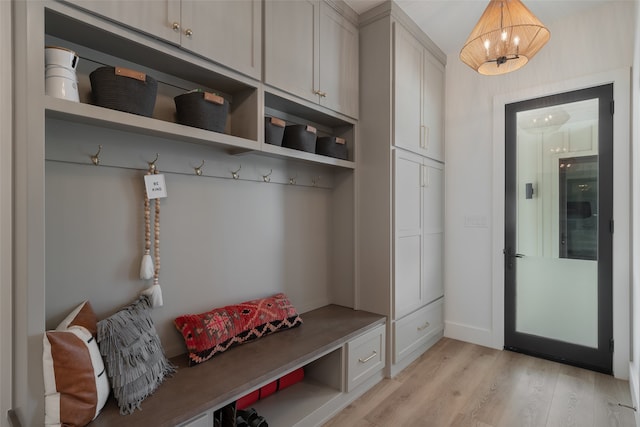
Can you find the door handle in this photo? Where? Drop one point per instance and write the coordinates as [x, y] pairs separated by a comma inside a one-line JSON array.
[[508, 257]]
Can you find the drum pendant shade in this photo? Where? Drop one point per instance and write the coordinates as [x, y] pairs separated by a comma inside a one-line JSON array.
[[505, 38]]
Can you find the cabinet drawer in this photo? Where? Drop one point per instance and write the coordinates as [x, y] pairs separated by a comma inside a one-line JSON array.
[[365, 356], [202, 420], [412, 331]]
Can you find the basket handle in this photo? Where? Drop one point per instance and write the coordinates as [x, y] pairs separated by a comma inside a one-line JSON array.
[[132, 74], [212, 97]]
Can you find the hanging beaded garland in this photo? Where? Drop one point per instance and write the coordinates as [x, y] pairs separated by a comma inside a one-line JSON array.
[[151, 268]]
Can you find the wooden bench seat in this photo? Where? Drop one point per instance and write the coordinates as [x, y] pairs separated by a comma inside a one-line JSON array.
[[230, 375]]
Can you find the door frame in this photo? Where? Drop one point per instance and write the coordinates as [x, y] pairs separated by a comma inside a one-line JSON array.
[[621, 204]]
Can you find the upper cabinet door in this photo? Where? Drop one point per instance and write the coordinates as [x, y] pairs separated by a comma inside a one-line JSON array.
[[290, 52], [408, 130], [338, 62], [160, 18], [433, 107], [228, 32]]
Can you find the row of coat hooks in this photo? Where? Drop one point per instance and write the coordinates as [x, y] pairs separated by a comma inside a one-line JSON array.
[[315, 181]]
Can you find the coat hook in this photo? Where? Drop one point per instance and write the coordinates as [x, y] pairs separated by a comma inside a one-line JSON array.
[[315, 181], [199, 169], [267, 177], [96, 157], [235, 174], [152, 165], [292, 181]]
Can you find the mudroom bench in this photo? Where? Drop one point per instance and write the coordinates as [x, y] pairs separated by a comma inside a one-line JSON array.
[[340, 349]]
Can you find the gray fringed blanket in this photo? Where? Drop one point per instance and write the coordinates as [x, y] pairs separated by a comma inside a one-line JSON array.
[[133, 355]]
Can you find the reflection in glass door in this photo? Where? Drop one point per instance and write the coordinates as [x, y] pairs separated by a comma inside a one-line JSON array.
[[558, 200]]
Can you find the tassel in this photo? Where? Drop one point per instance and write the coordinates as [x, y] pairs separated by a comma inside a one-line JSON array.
[[154, 292], [146, 267]]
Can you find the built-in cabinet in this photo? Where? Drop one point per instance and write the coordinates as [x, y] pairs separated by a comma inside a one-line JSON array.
[[54, 134], [419, 96], [225, 31], [418, 193], [319, 63], [400, 260]]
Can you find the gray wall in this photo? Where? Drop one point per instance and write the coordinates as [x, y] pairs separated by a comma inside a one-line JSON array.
[[223, 241]]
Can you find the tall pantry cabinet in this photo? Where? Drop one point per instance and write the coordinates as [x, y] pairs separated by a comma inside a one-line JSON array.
[[401, 182]]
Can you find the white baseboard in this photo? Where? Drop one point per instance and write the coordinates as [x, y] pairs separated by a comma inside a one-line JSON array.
[[633, 388], [471, 334]]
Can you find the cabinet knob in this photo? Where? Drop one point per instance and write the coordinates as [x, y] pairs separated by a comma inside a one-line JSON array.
[[175, 26], [188, 32], [320, 93]]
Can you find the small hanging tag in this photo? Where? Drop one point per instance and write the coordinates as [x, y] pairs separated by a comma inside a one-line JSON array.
[[156, 188]]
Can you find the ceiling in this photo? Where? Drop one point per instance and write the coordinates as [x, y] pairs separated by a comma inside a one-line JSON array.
[[449, 22]]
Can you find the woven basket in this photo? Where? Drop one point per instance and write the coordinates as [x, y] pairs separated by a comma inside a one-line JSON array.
[[202, 110], [273, 130], [332, 146], [300, 137], [124, 90]]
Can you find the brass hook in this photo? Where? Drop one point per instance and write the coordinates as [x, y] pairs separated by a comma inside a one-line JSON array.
[[199, 169], [152, 165], [96, 157], [292, 181], [267, 178], [235, 174]]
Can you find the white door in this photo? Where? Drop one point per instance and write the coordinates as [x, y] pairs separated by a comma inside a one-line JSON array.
[[228, 32], [407, 91], [433, 230], [338, 62], [408, 204], [433, 108], [159, 18], [290, 52]]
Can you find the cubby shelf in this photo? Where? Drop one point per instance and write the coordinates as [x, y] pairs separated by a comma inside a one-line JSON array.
[[113, 119], [103, 117]]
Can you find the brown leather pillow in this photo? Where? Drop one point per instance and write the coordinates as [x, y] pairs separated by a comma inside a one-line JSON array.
[[75, 382]]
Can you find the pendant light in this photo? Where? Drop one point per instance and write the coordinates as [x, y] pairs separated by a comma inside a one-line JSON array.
[[505, 38]]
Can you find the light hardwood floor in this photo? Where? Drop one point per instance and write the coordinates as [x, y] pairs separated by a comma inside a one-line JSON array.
[[459, 384]]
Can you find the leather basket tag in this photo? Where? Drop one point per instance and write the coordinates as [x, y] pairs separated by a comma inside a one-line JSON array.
[[132, 74], [277, 122], [340, 141], [311, 129], [212, 97]]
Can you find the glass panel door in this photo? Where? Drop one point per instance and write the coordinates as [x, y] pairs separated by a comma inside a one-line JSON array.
[[557, 237]]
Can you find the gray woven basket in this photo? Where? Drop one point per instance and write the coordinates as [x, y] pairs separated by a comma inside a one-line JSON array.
[[273, 130], [124, 90], [202, 110], [332, 147], [300, 137]]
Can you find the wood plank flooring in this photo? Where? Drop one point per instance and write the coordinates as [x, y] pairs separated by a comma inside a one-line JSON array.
[[458, 384]]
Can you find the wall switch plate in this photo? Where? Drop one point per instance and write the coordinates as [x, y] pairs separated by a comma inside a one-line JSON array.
[[477, 221]]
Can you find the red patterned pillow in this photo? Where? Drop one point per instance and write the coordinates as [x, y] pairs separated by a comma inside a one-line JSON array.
[[215, 331]]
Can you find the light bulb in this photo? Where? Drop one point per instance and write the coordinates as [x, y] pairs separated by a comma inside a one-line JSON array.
[[503, 36], [516, 40], [487, 43]]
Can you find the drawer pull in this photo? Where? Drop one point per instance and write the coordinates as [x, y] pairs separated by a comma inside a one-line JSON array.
[[423, 327], [374, 354]]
